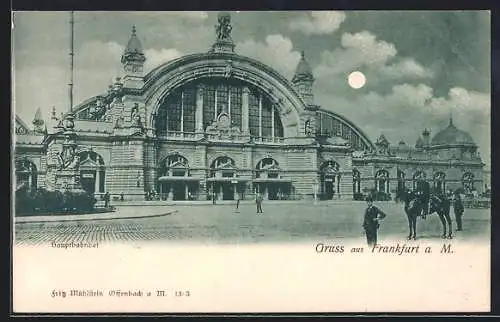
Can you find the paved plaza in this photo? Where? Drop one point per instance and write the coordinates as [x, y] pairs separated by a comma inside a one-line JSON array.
[[280, 222]]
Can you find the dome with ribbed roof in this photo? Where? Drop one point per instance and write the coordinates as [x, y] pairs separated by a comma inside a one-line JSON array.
[[303, 71], [451, 135]]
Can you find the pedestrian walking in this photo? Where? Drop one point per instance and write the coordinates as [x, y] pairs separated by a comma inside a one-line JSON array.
[[371, 221], [237, 198], [107, 198], [214, 196], [258, 201]]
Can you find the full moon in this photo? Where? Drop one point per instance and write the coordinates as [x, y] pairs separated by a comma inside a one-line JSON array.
[[356, 80]]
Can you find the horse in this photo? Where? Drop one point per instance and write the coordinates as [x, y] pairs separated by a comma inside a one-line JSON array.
[[413, 206]]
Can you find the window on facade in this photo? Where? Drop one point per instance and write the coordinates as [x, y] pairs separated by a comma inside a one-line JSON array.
[[26, 174], [419, 175], [222, 99], [278, 127], [174, 165], [439, 181], [178, 111], [401, 180], [253, 113], [173, 107], [468, 182], [356, 181], [236, 94], [208, 105], [382, 181], [267, 121], [189, 109]]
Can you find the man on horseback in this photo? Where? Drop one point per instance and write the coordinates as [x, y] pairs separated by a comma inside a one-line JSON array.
[[423, 191]]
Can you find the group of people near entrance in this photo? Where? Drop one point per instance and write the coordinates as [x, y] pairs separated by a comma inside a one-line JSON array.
[[258, 201], [373, 215]]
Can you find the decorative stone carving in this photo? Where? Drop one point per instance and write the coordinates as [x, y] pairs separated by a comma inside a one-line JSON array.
[[308, 128], [68, 158], [135, 116], [119, 122], [228, 69], [224, 28], [222, 127]]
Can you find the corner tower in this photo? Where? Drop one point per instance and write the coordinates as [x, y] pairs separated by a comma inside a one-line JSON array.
[[133, 59], [303, 80]]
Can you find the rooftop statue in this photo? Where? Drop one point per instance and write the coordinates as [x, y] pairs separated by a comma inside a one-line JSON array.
[[224, 28]]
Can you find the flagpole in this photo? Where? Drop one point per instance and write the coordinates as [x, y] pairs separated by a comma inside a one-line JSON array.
[[71, 56]]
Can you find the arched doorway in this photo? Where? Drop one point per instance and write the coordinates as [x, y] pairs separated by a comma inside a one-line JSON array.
[[382, 181], [92, 172], [26, 174], [175, 181], [418, 176], [468, 182], [356, 181], [329, 179], [439, 182], [268, 180], [401, 180], [223, 180]]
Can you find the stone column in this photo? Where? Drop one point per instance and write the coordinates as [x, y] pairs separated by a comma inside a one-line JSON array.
[[186, 192], [244, 110], [96, 182], [199, 108], [337, 183]]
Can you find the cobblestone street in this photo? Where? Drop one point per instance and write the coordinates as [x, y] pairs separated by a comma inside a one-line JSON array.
[[221, 224]]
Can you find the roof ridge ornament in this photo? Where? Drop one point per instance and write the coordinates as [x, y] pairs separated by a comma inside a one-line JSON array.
[[223, 43]]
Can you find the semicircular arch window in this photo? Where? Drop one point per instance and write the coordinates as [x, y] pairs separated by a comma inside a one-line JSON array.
[[178, 110]]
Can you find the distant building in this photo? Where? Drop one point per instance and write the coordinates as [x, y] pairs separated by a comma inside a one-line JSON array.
[[221, 123]]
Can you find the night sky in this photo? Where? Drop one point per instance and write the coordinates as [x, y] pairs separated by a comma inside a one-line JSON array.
[[421, 67]]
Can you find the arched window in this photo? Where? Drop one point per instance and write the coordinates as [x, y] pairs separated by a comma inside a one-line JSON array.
[[224, 167], [267, 167], [419, 175], [92, 171], [26, 174], [356, 181], [382, 181], [401, 180], [177, 111], [439, 182], [174, 166], [329, 179], [468, 182]]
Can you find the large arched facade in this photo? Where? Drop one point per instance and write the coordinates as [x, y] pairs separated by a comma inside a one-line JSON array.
[[245, 108], [210, 81], [215, 125]]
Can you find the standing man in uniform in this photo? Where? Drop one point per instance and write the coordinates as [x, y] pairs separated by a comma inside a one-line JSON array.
[[107, 198], [258, 201], [424, 190], [458, 209], [371, 221]]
